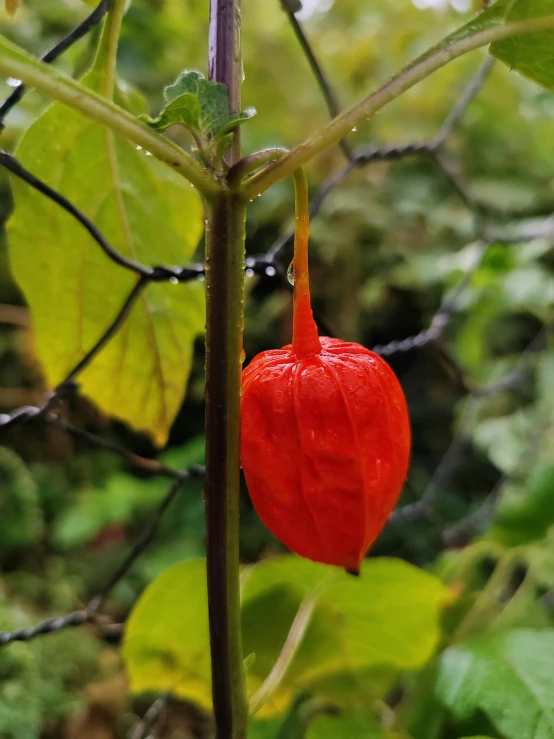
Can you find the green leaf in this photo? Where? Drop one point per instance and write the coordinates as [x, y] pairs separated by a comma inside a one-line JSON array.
[[509, 676], [201, 105], [354, 688], [263, 730], [235, 120], [504, 439], [184, 110], [367, 621], [148, 213], [166, 644], [525, 513], [387, 617], [530, 54], [186, 83], [130, 99], [356, 724], [214, 106]]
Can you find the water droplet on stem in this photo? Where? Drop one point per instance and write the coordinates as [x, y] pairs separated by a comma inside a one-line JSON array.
[[290, 273]]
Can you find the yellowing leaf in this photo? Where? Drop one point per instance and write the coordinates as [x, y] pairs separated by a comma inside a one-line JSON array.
[[166, 647], [371, 620], [74, 291], [387, 618]]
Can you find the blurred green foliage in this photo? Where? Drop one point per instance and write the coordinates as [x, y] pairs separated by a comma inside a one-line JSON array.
[[389, 245]]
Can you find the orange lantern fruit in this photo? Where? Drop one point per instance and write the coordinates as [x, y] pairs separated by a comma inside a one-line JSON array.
[[325, 434]]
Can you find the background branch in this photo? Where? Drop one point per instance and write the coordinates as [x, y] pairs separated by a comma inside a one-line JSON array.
[[415, 72]]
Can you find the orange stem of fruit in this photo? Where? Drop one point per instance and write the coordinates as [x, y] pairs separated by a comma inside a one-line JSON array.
[[305, 339]]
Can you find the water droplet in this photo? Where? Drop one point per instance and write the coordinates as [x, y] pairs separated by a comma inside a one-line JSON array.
[[251, 199], [139, 148], [149, 154], [271, 271], [12, 82], [355, 129], [290, 273], [249, 272], [174, 280], [242, 355]]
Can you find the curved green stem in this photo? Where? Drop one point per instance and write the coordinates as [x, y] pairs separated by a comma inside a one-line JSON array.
[[415, 72], [107, 53], [290, 648], [251, 163], [14, 62]]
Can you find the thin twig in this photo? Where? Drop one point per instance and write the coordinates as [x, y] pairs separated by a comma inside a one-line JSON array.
[[33, 414], [49, 626], [72, 37], [369, 154], [150, 719], [317, 70], [150, 466], [289, 651], [469, 95]]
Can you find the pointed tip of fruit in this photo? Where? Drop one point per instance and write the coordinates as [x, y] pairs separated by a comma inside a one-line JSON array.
[[355, 571]]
